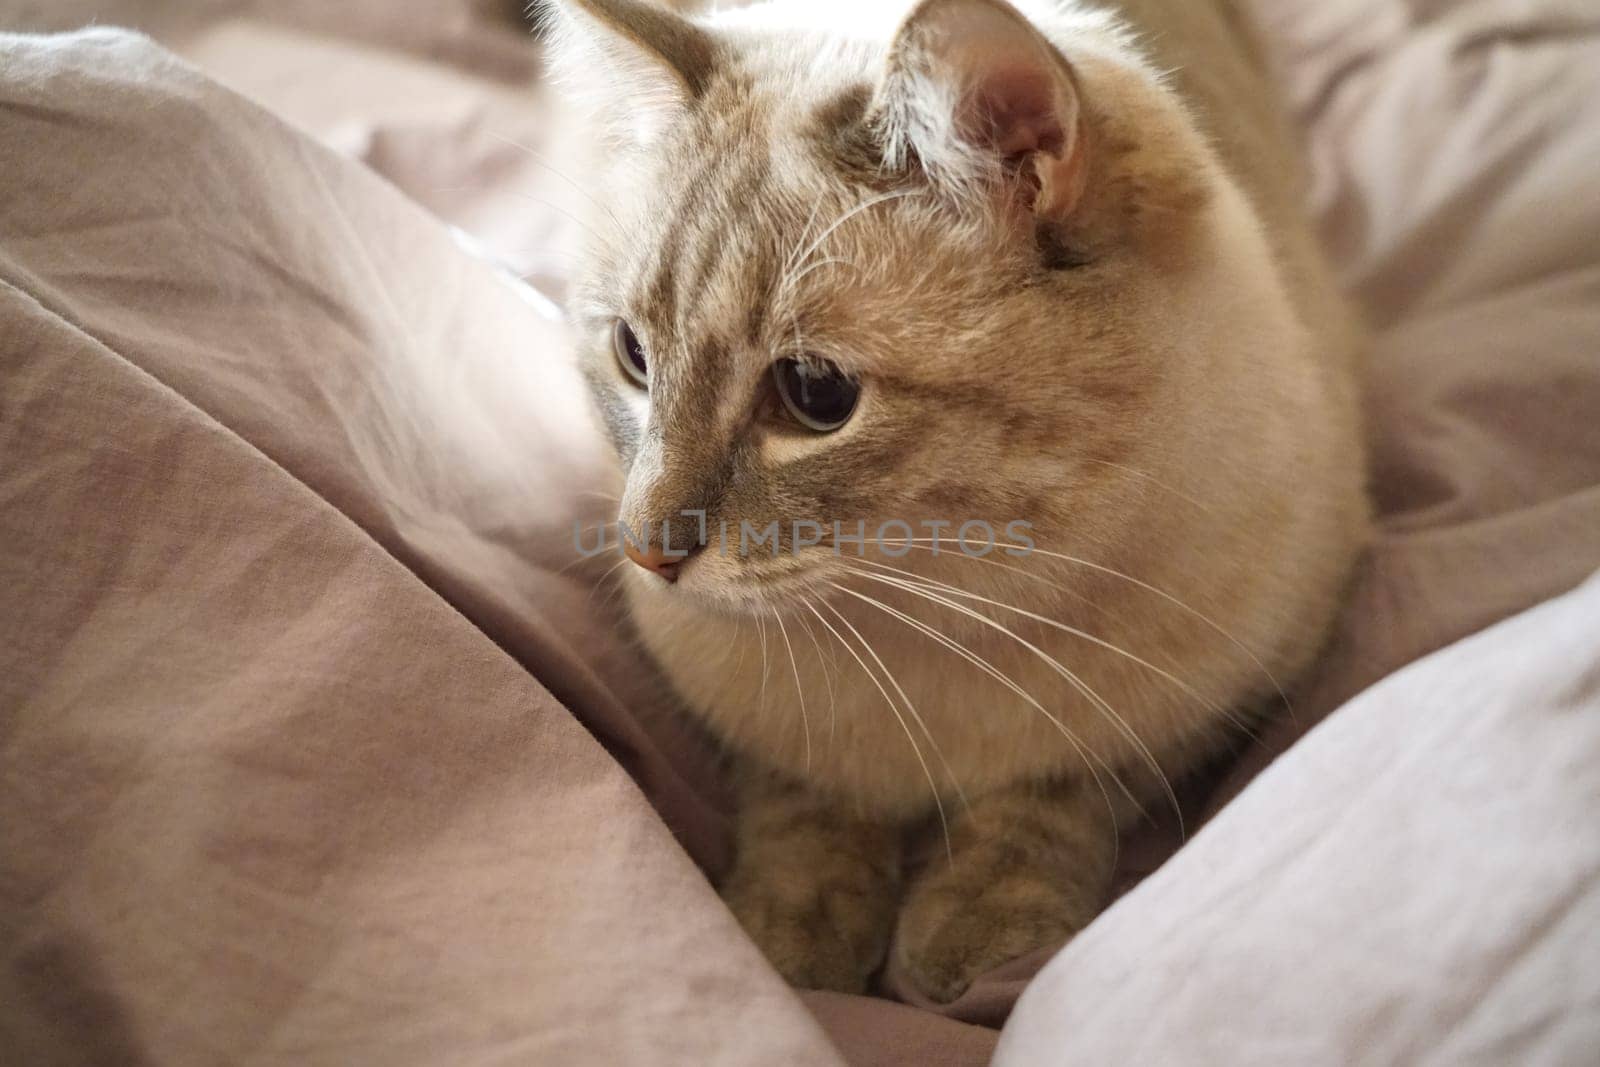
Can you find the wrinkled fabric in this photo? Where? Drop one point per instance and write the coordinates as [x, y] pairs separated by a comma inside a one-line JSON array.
[[1418, 881], [280, 462], [269, 797]]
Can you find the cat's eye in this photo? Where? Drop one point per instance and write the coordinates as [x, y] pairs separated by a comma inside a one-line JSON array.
[[816, 393], [630, 353]]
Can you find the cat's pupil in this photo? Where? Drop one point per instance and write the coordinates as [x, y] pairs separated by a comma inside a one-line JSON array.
[[818, 394], [630, 353]]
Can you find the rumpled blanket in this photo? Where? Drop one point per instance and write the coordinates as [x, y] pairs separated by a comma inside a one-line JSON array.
[[317, 745]]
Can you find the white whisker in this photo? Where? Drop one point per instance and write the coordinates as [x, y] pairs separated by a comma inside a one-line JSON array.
[[542, 161], [938, 803], [793, 258], [1084, 635], [1162, 593], [799, 690], [830, 261], [615, 588], [761, 633], [1055, 665], [872, 201], [582, 556], [1089, 760], [1196, 613], [1153, 480], [564, 213], [904, 699], [828, 676]]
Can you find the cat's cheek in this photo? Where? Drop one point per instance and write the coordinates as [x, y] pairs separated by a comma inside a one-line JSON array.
[[627, 411], [637, 403], [620, 408], [782, 449]]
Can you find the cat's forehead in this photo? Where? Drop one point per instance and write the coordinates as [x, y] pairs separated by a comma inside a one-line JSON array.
[[769, 225], [738, 201]]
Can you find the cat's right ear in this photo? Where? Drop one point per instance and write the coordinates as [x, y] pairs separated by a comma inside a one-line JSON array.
[[636, 66]]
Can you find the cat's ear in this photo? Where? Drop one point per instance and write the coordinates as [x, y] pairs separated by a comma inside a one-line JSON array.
[[637, 66], [977, 98]]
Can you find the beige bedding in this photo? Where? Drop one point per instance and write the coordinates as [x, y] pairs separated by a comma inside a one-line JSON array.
[[293, 662]]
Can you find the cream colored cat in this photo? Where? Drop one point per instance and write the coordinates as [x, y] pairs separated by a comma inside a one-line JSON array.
[[964, 264]]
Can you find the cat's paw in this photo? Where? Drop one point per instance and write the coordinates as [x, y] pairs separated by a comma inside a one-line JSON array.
[[950, 932], [817, 936]]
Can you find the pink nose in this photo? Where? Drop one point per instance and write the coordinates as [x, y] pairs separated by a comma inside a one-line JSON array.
[[656, 560]]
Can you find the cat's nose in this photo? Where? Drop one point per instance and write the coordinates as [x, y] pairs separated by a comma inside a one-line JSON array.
[[657, 560]]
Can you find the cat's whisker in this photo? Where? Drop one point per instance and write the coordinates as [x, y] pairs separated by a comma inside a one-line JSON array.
[[576, 561], [1195, 612], [1019, 571], [1089, 760], [602, 581], [793, 258], [799, 689], [738, 639], [540, 160], [829, 261], [938, 802], [1044, 621], [1153, 480], [761, 634], [790, 263], [799, 341], [1162, 593], [564, 213], [1083, 688], [870, 202], [611, 597], [583, 556], [916, 716], [829, 677]]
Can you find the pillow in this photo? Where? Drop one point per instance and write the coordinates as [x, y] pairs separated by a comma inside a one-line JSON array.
[[1416, 881]]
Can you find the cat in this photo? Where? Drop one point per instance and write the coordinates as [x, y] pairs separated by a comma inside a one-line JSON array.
[[862, 270]]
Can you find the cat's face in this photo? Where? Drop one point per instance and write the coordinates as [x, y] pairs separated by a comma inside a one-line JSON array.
[[789, 317]]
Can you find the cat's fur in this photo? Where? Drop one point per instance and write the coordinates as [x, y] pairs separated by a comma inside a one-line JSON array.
[[1098, 308]]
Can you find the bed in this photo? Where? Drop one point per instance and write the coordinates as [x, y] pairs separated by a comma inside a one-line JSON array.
[[319, 744]]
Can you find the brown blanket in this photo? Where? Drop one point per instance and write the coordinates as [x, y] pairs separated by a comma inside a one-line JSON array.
[[291, 638]]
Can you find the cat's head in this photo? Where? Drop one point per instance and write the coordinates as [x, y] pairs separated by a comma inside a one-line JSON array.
[[932, 275]]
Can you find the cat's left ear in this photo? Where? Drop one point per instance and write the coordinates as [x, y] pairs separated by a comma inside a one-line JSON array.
[[637, 65], [976, 97]]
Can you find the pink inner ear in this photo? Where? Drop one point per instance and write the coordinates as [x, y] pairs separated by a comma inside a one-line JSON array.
[[1016, 112], [1017, 98]]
